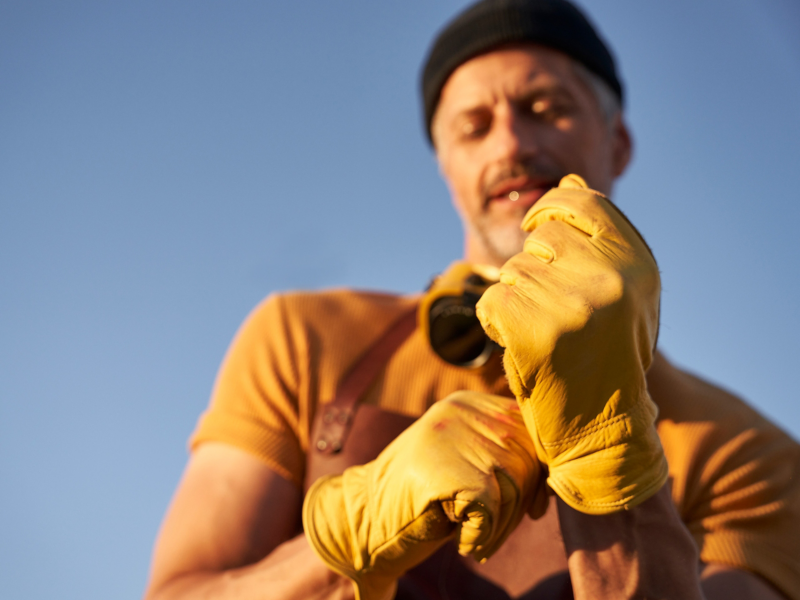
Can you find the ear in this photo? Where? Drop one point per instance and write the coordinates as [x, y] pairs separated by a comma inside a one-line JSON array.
[[622, 145]]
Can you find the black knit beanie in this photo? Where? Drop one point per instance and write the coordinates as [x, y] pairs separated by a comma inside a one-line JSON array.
[[488, 24]]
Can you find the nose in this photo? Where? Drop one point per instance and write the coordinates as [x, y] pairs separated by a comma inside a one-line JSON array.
[[511, 139]]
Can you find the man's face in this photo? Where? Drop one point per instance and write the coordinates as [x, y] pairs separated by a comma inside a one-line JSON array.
[[509, 125]]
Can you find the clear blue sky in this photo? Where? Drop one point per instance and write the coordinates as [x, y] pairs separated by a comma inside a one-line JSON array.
[[165, 165]]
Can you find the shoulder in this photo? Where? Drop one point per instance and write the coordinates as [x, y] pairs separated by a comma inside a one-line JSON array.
[[333, 314], [314, 337], [340, 303], [288, 333], [699, 409], [717, 444], [735, 476], [682, 395]]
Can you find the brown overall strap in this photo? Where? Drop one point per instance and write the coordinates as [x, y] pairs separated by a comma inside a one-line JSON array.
[[332, 426], [445, 575]]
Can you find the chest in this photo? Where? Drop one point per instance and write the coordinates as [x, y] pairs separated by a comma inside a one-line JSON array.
[[532, 563]]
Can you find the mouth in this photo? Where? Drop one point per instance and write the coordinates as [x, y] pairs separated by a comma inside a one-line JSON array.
[[521, 191]]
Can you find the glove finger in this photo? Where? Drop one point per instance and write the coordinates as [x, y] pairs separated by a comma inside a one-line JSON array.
[[587, 211], [416, 542], [555, 240], [501, 309], [487, 311], [494, 324], [507, 518], [572, 202], [476, 512], [475, 530], [541, 499]]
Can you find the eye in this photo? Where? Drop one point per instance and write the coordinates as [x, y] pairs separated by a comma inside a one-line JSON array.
[[476, 126], [540, 106], [549, 108]]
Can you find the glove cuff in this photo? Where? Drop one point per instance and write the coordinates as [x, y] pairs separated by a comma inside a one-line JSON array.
[[613, 478], [324, 504]]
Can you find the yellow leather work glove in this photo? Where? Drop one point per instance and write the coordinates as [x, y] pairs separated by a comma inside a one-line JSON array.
[[577, 313], [465, 469]]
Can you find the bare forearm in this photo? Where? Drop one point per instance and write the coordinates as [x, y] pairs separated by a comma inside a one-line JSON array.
[[291, 572], [644, 552]]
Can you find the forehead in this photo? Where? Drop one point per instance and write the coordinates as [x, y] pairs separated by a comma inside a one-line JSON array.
[[510, 71]]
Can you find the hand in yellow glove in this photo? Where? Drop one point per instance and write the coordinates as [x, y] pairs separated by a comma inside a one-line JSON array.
[[466, 468], [577, 312]]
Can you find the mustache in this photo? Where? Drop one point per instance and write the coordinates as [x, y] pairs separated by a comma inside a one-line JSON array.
[[536, 169]]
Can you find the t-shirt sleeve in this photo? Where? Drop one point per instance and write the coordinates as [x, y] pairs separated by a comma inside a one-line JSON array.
[[736, 482], [254, 405]]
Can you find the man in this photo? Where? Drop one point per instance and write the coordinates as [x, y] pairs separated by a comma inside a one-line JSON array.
[[518, 96]]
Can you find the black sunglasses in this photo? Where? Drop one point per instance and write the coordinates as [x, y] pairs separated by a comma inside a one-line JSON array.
[[454, 331]]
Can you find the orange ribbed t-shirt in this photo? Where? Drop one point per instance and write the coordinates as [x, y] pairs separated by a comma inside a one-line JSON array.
[[735, 477]]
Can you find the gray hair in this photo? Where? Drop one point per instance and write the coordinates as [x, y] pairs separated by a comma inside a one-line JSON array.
[[607, 100]]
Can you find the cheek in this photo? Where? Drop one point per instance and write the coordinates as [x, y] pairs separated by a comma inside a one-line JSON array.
[[463, 181], [585, 151]]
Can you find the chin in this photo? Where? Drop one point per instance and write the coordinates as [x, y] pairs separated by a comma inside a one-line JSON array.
[[504, 243]]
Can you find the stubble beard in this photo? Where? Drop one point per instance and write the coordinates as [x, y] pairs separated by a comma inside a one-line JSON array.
[[501, 235], [502, 240]]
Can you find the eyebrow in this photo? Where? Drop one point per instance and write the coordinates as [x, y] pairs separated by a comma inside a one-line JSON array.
[[526, 93], [548, 89]]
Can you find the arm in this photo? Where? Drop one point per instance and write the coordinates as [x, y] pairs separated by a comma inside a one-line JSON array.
[[646, 552], [726, 583], [577, 313], [229, 533]]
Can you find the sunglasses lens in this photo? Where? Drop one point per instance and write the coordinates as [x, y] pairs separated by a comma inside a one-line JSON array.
[[456, 334]]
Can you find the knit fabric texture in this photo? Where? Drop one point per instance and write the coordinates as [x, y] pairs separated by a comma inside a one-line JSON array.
[[489, 24], [735, 477]]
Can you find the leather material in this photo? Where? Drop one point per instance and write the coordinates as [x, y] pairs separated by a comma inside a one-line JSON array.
[[446, 575], [465, 469], [577, 313], [335, 419], [371, 431]]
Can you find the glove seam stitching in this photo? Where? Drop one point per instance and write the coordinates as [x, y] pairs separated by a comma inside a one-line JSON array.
[[580, 499], [586, 432]]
